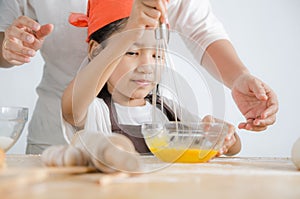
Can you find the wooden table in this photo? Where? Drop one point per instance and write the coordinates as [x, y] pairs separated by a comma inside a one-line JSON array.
[[221, 178]]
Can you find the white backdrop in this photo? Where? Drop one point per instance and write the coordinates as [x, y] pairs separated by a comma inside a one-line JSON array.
[[265, 34]]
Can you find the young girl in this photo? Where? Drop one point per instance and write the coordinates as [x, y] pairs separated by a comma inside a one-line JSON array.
[[109, 93]]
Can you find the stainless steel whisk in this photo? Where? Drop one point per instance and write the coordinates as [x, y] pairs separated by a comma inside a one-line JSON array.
[[162, 37]]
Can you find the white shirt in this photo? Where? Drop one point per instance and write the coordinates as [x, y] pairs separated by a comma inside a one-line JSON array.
[[65, 48], [137, 115]]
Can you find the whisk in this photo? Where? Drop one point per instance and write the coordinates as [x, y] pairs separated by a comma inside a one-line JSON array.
[[162, 37], [162, 62]]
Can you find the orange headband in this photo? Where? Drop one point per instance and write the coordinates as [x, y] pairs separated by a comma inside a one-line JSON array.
[[101, 13]]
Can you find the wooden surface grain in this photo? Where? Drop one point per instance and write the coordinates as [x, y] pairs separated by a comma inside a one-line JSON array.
[[234, 177]]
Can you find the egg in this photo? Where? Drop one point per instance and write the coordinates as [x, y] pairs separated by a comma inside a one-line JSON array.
[[296, 153]]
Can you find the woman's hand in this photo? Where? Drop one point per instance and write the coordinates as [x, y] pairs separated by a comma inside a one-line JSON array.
[[22, 39], [257, 102]]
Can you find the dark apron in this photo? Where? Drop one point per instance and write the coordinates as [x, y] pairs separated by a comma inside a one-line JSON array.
[[133, 132]]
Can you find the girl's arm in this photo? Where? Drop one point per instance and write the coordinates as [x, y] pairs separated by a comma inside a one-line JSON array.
[[90, 80]]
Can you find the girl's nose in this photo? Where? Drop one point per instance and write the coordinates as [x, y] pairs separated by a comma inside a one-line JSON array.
[[146, 64], [146, 68]]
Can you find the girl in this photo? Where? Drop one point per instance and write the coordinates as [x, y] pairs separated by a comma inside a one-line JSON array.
[[112, 88]]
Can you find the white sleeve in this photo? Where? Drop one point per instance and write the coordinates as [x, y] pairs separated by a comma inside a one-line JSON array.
[[97, 120], [12, 9], [68, 130], [195, 22]]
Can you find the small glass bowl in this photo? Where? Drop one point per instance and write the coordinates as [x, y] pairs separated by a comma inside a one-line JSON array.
[[12, 122], [185, 142]]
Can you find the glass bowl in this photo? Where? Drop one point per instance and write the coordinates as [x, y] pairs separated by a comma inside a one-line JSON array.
[[185, 142], [12, 122]]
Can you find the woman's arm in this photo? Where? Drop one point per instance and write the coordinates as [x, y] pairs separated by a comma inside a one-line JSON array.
[[222, 61]]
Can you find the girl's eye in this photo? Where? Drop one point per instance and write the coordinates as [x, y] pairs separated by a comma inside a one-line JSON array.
[[132, 53]]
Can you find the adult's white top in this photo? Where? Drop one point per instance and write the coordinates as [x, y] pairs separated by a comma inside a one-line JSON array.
[[65, 48]]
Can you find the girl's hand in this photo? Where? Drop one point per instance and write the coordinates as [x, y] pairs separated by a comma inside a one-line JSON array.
[[231, 144], [146, 14], [160, 5]]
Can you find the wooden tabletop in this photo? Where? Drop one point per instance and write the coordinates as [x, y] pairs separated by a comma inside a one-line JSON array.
[[222, 178]]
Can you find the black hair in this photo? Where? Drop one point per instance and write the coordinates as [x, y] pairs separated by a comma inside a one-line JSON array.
[[105, 32]]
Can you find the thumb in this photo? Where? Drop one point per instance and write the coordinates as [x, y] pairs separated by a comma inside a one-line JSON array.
[[44, 31], [259, 90]]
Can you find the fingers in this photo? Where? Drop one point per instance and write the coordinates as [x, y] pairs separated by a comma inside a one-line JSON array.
[[230, 138], [44, 31], [259, 89], [272, 105], [143, 15], [271, 110], [39, 37], [251, 127], [147, 13], [20, 51], [13, 50], [266, 121], [13, 57], [22, 30], [229, 141], [208, 118], [151, 17], [15, 53], [22, 39], [266, 118], [20, 34], [26, 22], [160, 5]]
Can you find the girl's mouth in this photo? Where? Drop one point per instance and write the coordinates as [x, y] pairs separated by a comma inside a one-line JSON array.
[[141, 82]]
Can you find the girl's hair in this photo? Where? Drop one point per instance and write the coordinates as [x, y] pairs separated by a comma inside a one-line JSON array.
[[105, 32]]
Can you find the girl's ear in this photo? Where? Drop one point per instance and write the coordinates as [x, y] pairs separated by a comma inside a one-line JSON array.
[[94, 49]]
